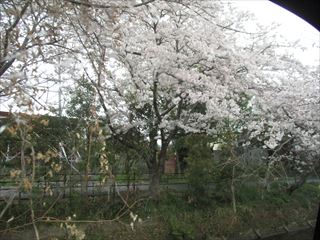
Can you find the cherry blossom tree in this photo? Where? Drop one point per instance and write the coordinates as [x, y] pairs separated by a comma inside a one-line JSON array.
[[29, 29], [161, 68], [180, 66]]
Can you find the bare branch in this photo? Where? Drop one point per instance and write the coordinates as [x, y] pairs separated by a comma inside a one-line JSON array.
[[102, 6]]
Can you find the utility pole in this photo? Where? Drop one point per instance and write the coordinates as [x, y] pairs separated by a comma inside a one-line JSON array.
[[60, 107], [60, 81]]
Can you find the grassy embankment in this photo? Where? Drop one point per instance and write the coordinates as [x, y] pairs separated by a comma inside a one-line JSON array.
[[176, 216]]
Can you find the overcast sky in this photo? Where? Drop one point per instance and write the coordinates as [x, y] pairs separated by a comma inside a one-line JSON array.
[[292, 27]]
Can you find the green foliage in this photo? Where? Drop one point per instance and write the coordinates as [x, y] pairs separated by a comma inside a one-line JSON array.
[[42, 132], [82, 104], [172, 209], [311, 190], [124, 159], [179, 230], [276, 199], [201, 166], [9, 141], [49, 131], [175, 217], [307, 192], [246, 194]]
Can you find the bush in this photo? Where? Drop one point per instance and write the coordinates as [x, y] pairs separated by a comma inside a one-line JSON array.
[[180, 230], [200, 170], [246, 194]]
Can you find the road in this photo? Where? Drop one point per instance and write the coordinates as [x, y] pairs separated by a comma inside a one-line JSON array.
[[96, 188], [93, 188]]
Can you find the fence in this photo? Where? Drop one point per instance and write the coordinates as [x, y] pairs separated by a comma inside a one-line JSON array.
[[66, 184]]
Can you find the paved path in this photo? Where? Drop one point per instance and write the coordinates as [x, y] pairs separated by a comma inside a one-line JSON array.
[[6, 192], [95, 188]]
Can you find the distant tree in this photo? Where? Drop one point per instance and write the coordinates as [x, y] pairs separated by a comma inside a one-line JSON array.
[[82, 106]]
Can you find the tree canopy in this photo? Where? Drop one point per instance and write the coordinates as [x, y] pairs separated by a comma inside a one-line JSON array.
[[163, 68]]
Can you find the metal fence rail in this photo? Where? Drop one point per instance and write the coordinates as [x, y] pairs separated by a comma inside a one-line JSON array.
[[66, 184]]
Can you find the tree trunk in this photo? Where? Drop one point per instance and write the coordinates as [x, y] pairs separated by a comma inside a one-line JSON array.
[[23, 160], [88, 160], [233, 194], [156, 170], [154, 186], [266, 182]]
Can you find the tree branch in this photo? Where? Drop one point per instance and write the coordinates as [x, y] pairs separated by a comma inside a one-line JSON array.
[[102, 6]]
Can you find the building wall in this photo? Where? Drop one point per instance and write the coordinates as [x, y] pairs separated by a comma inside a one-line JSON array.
[[170, 165]]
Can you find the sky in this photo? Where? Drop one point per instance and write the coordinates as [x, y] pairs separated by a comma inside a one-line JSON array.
[[291, 26]]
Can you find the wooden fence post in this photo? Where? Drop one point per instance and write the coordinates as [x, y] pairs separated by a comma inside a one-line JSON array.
[[64, 185], [134, 181]]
